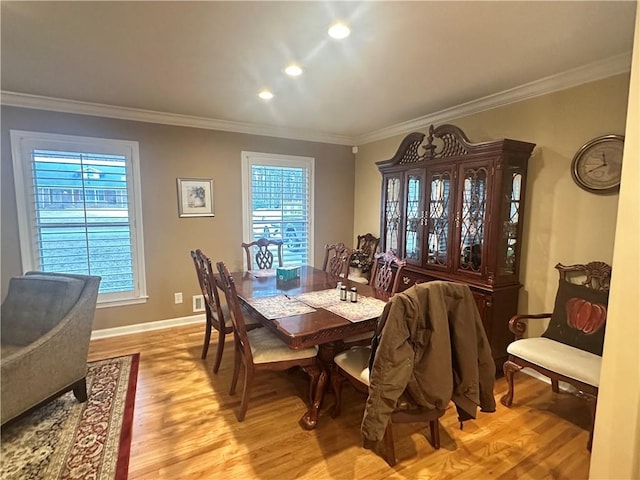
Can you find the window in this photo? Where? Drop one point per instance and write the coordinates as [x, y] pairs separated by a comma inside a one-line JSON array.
[[79, 210], [277, 202]]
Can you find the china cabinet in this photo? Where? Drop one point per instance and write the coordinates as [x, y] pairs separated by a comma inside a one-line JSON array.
[[453, 210]]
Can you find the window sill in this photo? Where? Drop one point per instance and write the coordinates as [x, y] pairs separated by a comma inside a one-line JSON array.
[[121, 302]]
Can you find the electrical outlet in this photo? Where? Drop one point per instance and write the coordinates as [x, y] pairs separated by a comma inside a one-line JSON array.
[[198, 303], [177, 297]]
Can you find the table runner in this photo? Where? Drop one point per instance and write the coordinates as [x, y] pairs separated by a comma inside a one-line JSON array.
[[364, 309], [279, 306]]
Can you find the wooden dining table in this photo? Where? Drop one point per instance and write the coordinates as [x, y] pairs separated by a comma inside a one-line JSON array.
[[321, 327]]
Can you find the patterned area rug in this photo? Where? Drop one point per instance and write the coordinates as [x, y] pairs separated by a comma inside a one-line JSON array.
[[65, 439]]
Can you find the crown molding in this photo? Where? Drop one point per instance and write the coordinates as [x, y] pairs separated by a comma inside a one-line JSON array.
[[571, 78], [588, 73], [23, 100]]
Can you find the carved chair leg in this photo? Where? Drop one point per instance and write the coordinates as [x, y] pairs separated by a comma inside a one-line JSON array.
[[509, 369], [219, 350], [246, 391], [236, 371], [389, 448], [207, 339], [555, 386], [80, 390], [434, 427]]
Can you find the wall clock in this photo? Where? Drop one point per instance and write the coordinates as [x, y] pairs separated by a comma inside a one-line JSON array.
[[597, 166]]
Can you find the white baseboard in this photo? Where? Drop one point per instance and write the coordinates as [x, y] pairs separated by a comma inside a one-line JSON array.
[[146, 327]]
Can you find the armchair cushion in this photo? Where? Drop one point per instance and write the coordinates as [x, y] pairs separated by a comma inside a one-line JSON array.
[[579, 317], [551, 355], [37, 304]]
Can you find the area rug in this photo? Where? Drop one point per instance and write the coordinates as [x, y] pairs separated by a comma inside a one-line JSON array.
[[65, 439]]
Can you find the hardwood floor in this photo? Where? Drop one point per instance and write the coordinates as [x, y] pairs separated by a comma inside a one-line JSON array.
[[185, 426]]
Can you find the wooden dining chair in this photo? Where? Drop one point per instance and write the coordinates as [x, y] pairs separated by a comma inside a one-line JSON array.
[[217, 315], [386, 275], [368, 243], [353, 365], [263, 257], [336, 259], [259, 349], [386, 272]]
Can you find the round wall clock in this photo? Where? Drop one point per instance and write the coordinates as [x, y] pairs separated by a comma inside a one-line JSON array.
[[597, 166]]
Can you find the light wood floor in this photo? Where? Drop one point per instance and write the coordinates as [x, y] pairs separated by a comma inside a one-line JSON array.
[[185, 426]]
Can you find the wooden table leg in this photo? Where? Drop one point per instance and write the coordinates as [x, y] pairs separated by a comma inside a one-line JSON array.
[[310, 419], [326, 353]]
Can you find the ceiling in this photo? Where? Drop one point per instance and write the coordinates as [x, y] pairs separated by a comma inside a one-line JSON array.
[[202, 63]]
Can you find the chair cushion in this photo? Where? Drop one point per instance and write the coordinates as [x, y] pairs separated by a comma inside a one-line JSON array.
[[266, 348], [355, 363], [579, 317], [563, 359], [35, 304]]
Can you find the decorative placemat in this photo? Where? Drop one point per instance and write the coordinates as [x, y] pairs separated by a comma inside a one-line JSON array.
[[364, 309], [279, 306], [321, 298]]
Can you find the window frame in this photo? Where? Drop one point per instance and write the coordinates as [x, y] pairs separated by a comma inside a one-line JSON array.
[[22, 145], [275, 160]]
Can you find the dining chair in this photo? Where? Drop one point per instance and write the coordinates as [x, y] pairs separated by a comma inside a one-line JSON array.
[[386, 272], [259, 349], [336, 259], [385, 276], [217, 315], [263, 257], [368, 243], [353, 365]]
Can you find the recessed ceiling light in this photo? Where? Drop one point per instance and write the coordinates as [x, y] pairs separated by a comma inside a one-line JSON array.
[[339, 30], [293, 70], [265, 94]]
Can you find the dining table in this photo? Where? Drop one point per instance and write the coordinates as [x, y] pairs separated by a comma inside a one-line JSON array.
[[307, 311]]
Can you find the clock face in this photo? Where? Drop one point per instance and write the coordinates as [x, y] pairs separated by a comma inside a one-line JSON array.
[[598, 165]]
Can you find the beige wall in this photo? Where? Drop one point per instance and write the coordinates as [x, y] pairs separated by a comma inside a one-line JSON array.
[[562, 222], [166, 153], [616, 443]]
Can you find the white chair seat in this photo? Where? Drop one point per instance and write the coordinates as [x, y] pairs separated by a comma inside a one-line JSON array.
[[560, 358], [228, 323], [355, 362], [266, 347], [357, 279]]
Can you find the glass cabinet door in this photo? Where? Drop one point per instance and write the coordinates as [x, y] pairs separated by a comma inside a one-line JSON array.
[[470, 217], [510, 219], [439, 208], [392, 213], [414, 208]]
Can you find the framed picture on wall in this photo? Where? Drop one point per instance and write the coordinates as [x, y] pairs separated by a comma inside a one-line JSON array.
[[195, 197]]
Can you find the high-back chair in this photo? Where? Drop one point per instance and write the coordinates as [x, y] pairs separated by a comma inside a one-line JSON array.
[[336, 259], [570, 349], [259, 349], [368, 244], [217, 316], [263, 257], [386, 273]]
